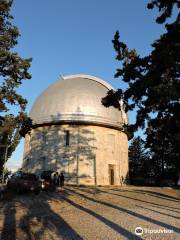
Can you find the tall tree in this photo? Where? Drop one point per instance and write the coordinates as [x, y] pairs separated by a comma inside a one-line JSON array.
[[13, 70], [154, 88], [137, 159]]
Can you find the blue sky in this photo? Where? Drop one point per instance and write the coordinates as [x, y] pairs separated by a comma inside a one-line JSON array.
[[74, 36]]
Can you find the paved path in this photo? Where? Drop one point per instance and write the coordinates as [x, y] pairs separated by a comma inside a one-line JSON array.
[[92, 213]]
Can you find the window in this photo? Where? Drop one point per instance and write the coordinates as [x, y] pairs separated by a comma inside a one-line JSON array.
[[66, 137]]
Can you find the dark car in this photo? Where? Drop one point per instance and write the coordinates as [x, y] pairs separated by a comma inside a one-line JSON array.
[[1, 193], [47, 182], [21, 182]]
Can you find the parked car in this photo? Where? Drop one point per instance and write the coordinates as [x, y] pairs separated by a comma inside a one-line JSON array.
[[47, 182], [3, 191], [21, 181], [1, 194]]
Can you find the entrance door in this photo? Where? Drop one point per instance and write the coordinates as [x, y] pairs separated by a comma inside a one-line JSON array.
[[111, 174]]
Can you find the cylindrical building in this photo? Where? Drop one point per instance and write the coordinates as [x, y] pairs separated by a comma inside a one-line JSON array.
[[74, 133]]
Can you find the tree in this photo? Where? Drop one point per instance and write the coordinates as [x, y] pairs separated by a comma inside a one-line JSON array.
[[163, 146], [165, 7], [13, 70], [137, 159], [154, 88], [5, 175]]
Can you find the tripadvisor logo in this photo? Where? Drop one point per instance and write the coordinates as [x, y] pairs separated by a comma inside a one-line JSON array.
[[138, 231]]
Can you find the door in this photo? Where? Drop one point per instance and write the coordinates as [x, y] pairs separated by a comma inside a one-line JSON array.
[[111, 174]]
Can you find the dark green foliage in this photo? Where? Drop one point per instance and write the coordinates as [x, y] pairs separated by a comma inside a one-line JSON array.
[[113, 98], [26, 126], [147, 168], [9, 138], [13, 70], [4, 177], [154, 89], [138, 160], [164, 6]]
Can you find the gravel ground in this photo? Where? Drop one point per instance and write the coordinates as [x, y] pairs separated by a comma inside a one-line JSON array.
[[105, 213]]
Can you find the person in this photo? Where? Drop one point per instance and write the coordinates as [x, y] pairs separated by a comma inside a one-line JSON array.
[[55, 179], [61, 179], [122, 180]]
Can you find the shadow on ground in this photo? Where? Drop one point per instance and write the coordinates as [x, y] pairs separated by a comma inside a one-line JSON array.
[[30, 217]]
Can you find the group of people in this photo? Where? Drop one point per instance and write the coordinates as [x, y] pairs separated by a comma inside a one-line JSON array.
[[58, 179]]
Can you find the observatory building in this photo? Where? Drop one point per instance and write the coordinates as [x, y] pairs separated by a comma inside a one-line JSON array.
[[74, 133]]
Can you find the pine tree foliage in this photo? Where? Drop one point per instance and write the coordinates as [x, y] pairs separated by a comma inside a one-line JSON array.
[[137, 154], [165, 7], [154, 88], [138, 160], [13, 70]]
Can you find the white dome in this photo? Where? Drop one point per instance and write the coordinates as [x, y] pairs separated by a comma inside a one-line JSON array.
[[76, 98]]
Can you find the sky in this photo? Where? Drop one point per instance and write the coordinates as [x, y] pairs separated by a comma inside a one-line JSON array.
[[66, 37]]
